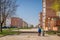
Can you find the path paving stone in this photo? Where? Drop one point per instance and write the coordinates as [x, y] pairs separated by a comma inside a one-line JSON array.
[[30, 36], [27, 36]]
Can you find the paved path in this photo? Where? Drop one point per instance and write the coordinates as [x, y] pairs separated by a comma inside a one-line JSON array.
[[30, 36]]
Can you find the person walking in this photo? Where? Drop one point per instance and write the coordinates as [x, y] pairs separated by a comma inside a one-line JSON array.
[[42, 32], [39, 31]]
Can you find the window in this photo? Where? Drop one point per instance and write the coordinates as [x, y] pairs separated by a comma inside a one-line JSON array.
[[44, 4], [44, 10], [58, 14]]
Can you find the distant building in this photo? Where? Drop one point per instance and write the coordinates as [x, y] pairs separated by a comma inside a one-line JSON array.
[[8, 22], [48, 18], [25, 24], [16, 22], [37, 26]]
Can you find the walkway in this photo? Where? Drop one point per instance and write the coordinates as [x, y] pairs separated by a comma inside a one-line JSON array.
[[30, 36]]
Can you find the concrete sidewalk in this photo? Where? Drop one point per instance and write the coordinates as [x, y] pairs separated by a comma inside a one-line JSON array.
[[30, 36]]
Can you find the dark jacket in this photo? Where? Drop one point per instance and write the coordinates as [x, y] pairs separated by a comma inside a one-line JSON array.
[[39, 30]]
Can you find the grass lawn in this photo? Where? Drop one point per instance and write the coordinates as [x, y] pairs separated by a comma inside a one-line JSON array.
[[20, 28], [51, 32], [8, 32]]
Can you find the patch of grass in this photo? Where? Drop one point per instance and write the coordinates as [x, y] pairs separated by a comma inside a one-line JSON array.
[[25, 28], [8, 32], [58, 33], [21, 28], [13, 28], [51, 32]]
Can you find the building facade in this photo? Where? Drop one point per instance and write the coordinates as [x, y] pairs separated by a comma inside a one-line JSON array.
[[25, 24], [48, 17], [8, 22], [16, 22], [40, 19]]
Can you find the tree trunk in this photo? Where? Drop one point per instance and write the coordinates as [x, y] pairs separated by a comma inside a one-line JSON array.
[[1, 27]]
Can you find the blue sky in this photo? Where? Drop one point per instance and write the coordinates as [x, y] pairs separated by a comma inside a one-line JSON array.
[[29, 10]]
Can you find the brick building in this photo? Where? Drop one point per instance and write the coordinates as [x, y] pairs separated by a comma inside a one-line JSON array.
[[16, 22], [48, 18]]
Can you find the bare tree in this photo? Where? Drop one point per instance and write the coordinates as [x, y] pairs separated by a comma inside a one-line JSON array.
[[7, 8]]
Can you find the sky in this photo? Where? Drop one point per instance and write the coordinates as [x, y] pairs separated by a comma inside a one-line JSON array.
[[29, 10]]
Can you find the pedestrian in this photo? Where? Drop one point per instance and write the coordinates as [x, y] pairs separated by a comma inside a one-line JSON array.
[[39, 31], [43, 32]]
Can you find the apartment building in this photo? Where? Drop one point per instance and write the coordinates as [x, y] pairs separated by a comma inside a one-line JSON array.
[[16, 22], [25, 24], [8, 22], [48, 18]]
